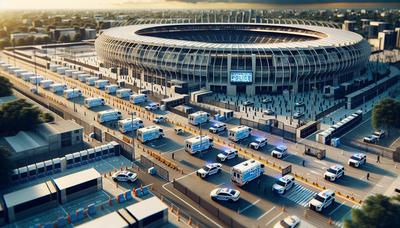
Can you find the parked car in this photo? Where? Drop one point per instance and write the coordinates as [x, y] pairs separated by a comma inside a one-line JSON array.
[[209, 170], [227, 154], [248, 103], [379, 134], [217, 128], [160, 119], [124, 176], [289, 222], [225, 194], [283, 184], [267, 100], [298, 115], [279, 152], [334, 172], [269, 112], [152, 106], [371, 139]]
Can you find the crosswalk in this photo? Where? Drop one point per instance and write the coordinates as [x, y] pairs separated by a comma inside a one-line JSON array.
[[347, 216], [300, 195]]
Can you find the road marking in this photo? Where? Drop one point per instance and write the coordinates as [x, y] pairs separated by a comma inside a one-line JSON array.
[[219, 184], [337, 208], [266, 213], [240, 211], [320, 162], [270, 221], [185, 175], [380, 186], [315, 172], [184, 201]]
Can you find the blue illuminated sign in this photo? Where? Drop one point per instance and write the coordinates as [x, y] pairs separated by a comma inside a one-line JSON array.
[[241, 77]]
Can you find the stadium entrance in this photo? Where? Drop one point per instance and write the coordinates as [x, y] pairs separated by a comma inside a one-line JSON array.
[[241, 89]]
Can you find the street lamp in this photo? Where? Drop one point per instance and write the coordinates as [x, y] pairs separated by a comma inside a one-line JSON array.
[[133, 139]]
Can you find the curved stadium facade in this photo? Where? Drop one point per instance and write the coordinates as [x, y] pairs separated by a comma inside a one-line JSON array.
[[236, 58]]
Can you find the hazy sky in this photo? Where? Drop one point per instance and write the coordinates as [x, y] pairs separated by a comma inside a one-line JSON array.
[[171, 4]]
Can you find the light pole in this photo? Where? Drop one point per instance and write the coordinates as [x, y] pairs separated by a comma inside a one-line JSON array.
[[36, 81], [133, 139]]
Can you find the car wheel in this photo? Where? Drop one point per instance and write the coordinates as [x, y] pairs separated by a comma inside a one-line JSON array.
[[356, 165]]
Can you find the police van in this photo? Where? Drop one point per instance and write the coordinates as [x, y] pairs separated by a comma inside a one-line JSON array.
[[94, 102], [238, 133], [199, 117], [246, 171], [57, 87], [138, 98], [72, 93], [101, 83], [130, 124], [149, 133], [122, 93], [112, 88], [90, 81], [108, 115], [198, 144]]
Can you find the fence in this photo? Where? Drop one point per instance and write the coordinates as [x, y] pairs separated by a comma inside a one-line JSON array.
[[372, 148], [233, 107], [272, 126], [227, 219], [147, 163], [126, 148], [329, 110]]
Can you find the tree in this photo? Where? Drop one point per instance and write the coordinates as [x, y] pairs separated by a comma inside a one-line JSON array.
[[5, 87], [6, 165], [18, 115], [63, 39], [386, 114], [377, 211]]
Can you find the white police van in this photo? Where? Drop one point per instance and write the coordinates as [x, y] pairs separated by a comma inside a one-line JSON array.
[[122, 93], [138, 98], [108, 115], [130, 124], [246, 171], [238, 133], [322, 200], [199, 117], [149, 133], [334, 172], [94, 102], [72, 93], [198, 144]]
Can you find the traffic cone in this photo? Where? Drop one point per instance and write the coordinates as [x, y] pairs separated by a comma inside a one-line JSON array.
[[283, 209], [329, 221]]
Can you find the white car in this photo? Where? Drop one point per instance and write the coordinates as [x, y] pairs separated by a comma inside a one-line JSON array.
[[357, 159], [298, 115], [209, 170], [267, 100], [125, 176], [334, 172], [269, 112], [217, 128], [279, 152], [225, 194], [152, 106], [371, 139], [379, 134], [289, 222], [227, 154], [283, 184], [299, 104], [258, 143], [160, 119], [322, 200]]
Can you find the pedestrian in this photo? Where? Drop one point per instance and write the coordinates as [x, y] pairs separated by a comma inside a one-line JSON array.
[[173, 156], [303, 163], [367, 176], [378, 160]]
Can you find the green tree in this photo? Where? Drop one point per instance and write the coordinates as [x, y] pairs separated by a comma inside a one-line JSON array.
[[63, 39], [378, 211], [386, 114], [5, 87], [18, 115], [6, 165]]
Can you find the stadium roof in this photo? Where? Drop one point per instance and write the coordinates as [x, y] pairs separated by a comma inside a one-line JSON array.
[[331, 37]]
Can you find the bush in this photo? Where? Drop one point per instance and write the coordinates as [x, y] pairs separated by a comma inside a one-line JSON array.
[[47, 117], [5, 87]]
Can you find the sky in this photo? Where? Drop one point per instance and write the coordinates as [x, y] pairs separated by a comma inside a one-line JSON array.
[[190, 4]]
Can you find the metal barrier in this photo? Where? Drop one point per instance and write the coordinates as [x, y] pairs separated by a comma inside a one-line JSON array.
[[147, 163], [329, 110], [272, 126], [233, 107], [126, 148]]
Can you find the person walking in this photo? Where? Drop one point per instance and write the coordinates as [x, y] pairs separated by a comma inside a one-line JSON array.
[[303, 163], [367, 176], [173, 156], [378, 160]]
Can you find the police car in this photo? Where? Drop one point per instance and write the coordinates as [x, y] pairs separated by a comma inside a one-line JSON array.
[[209, 170], [283, 184], [226, 194], [357, 159], [152, 106], [279, 152], [289, 222], [258, 143], [160, 119], [371, 139], [227, 154], [334, 172], [125, 176], [322, 200], [217, 128]]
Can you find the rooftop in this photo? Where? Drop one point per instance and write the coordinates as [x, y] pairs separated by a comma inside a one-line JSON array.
[[153, 205], [58, 127], [76, 178], [27, 194]]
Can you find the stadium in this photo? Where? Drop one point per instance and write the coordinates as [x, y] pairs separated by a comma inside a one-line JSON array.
[[235, 58]]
